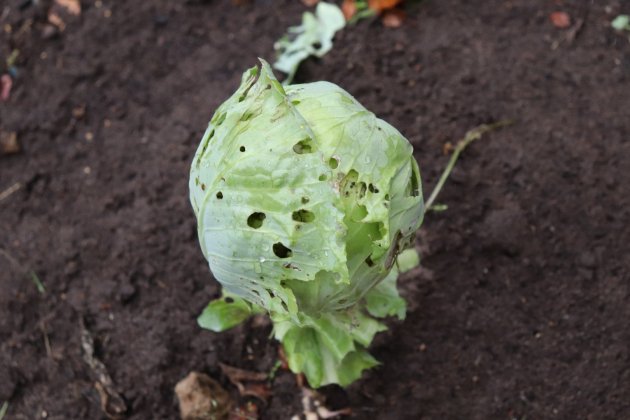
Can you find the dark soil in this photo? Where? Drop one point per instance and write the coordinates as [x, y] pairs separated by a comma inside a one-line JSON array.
[[522, 308]]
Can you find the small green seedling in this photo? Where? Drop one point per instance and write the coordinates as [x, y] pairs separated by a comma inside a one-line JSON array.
[[621, 23]]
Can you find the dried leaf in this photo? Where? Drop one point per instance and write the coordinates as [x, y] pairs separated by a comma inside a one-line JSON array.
[[560, 20], [349, 8], [253, 384], [71, 6], [248, 411], [201, 397], [393, 18], [381, 5]]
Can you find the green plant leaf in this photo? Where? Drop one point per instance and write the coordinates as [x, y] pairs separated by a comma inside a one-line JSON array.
[[384, 299], [408, 260], [621, 22], [308, 352], [313, 37], [224, 313]]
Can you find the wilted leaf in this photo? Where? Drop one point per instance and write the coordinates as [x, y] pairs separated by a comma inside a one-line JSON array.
[[253, 384], [381, 5], [313, 37], [201, 397], [349, 8]]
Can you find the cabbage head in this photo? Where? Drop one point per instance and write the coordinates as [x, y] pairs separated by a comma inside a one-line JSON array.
[[305, 201]]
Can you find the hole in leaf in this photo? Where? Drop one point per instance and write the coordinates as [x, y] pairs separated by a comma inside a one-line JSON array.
[[228, 300], [220, 195], [323, 177], [303, 216], [316, 45], [361, 190], [281, 251], [372, 189], [369, 261], [333, 163], [305, 200], [303, 146], [295, 102], [348, 183], [255, 220], [242, 148]]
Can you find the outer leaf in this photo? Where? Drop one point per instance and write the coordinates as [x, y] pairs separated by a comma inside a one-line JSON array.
[[384, 299], [225, 313], [353, 366], [363, 328], [308, 352]]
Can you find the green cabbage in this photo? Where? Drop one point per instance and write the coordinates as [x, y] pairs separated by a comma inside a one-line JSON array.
[[304, 200]]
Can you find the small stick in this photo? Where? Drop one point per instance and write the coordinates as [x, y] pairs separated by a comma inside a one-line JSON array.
[[13, 188], [4, 409], [470, 136]]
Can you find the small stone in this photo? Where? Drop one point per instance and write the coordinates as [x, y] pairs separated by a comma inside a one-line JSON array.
[[78, 112], [126, 292], [8, 143]]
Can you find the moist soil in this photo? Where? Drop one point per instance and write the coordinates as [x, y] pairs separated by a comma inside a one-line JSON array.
[[521, 308]]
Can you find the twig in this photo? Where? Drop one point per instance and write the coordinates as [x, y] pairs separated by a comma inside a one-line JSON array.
[[112, 403], [470, 136], [49, 352], [13, 188], [4, 409]]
